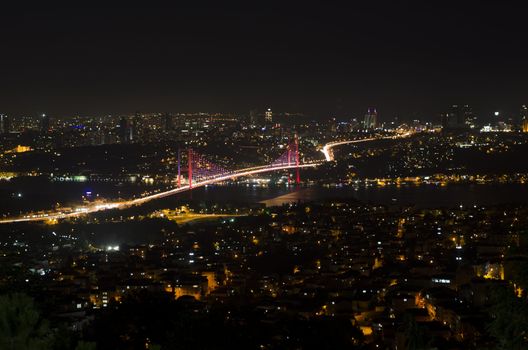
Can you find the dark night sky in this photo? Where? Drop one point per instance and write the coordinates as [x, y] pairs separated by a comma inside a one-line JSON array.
[[411, 58]]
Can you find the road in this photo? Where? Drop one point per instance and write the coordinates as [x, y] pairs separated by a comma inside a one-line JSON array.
[[329, 154]]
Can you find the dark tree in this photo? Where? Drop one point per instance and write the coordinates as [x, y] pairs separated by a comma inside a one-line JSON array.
[[21, 326]]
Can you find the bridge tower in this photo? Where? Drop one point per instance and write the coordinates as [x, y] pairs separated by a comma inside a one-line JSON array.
[[298, 175], [179, 168], [289, 163], [189, 164]]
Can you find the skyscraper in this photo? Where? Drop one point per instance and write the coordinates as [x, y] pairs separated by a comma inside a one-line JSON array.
[[5, 125], [524, 118], [167, 122], [44, 124], [455, 116], [124, 132], [469, 118], [253, 117], [458, 117], [371, 119], [268, 117]]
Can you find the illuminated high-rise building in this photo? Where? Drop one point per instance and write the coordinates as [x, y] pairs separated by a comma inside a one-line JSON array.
[[5, 125], [44, 124], [524, 118], [268, 116], [524, 112], [167, 122], [124, 130], [468, 117], [458, 117], [371, 119]]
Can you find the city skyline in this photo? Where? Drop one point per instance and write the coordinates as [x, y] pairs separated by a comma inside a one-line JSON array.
[[407, 59], [511, 114]]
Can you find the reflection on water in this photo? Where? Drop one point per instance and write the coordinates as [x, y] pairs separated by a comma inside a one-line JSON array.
[[23, 195], [420, 196]]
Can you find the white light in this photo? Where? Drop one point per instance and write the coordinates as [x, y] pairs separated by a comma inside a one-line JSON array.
[[496, 114]]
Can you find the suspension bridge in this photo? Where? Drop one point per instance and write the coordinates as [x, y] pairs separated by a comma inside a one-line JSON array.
[[201, 172]]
